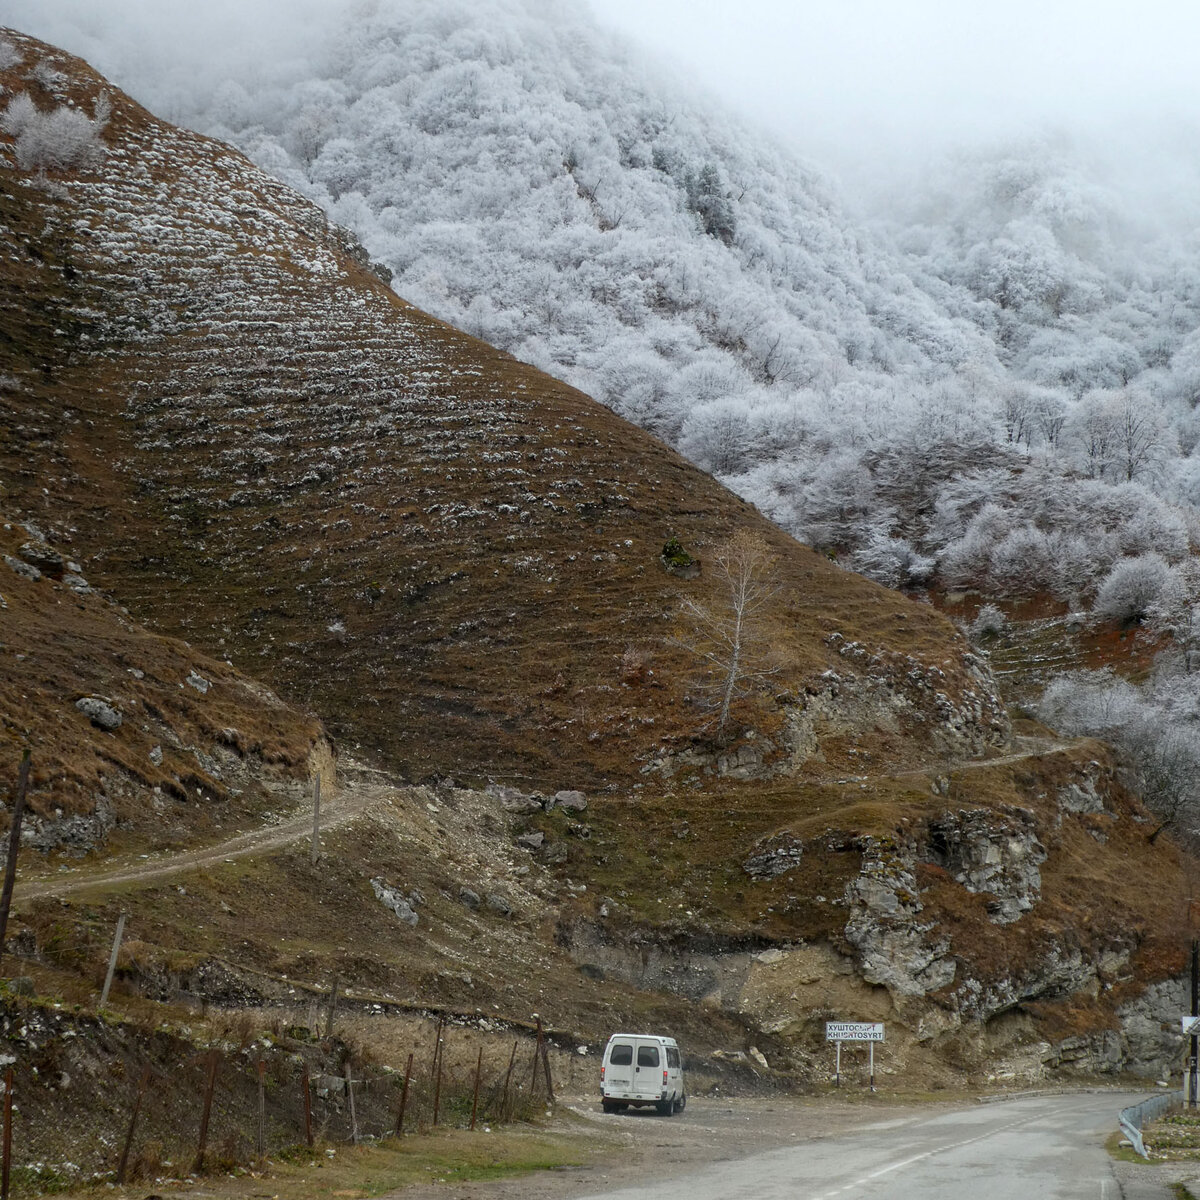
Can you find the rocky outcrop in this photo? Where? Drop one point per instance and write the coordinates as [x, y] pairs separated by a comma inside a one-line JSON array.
[[991, 852]]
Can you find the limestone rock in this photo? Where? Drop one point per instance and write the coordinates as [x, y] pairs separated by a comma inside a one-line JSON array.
[[102, 713], [43, 558], [514, 801], [773, 858], [24, 569], [392, 898], [532, 841], [569, 801], [991, 852]]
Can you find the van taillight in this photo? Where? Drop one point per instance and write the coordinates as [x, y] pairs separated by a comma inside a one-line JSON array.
[[664, 1077], [601, 1074]]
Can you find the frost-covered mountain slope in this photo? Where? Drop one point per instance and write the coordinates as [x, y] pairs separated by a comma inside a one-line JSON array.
[[533, 181], [922, 395]]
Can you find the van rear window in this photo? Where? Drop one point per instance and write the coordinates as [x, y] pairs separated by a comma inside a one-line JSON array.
[[622, 1055], [672, 1057], [647, 1056]]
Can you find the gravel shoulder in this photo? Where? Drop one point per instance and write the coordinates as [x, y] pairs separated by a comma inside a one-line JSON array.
[[622, 1147]]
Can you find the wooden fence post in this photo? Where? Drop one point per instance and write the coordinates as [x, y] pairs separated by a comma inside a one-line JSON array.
[[333, 999], [404, 1096], [6, 1172], [112, 959], [350, 1093], [512, 1058], [262, 1108], [475, 1099], [437, 1087], [137, 1108], [209, 1088], [316, 833], [308, 1129], [14, 845]]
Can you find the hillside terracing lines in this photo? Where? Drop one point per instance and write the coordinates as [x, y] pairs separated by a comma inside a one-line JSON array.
[[446, 553]]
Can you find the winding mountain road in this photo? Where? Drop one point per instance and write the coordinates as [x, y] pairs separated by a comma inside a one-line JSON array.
[[1045, 1146]]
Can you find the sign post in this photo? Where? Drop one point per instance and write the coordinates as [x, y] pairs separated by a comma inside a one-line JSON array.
[[1191, 1029], [853, 1031]]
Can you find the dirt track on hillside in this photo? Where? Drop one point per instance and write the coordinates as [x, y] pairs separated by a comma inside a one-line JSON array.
[[350, 801]]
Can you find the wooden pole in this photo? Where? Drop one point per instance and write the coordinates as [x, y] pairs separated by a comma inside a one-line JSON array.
[[512, 1058], [6, 1172], [437, 1087], [316, 833], [308, 1129], [333, 998], [137, 1108], [475, 1098], [546, 1068], [350, 1093], [209, 1088], [14, 845], [262, 1108], [404, 1096], [112, 959]]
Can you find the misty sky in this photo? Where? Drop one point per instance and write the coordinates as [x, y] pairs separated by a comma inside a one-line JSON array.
[[874, 73], [849, 82]]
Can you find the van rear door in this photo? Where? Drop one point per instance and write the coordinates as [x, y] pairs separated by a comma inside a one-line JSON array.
[[619, 1075], [648, 1069]]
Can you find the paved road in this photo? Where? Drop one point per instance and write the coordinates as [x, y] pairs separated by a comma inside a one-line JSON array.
[[1034, 1149]]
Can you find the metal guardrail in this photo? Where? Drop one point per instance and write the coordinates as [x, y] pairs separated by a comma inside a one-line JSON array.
[[1132, 1119]]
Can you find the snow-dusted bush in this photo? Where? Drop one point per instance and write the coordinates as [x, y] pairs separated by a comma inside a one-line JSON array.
[[1132, 589], [62, 139], [9, 54], [989, 623], [892, 562]]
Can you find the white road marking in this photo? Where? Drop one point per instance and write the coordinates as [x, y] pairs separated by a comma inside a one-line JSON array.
[[916, 1158]]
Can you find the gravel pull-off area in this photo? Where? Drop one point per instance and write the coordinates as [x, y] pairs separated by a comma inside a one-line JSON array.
[[640, 1146]]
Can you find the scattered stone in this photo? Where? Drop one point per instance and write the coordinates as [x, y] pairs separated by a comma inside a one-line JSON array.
[[555, 853], [21, 986], [498, 904], [514, 801], [77, 583], [570, 801], [759, 1057], [392, 898], [100, 712], [469, 898], [532, 841], [43, 558], [198, 682], [773, 858], [156, 756], [24, 569]]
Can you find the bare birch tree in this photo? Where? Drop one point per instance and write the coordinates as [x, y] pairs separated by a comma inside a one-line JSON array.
[[727, 634]]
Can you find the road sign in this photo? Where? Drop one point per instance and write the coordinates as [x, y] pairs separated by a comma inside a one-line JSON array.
[[1191, 1026], [854, 1031]]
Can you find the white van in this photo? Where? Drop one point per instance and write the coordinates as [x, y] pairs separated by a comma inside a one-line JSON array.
[[640, 1069]]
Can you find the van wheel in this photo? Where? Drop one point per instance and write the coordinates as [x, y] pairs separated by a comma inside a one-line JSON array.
[[681, 1103], [611, 1106], [665, 1107]]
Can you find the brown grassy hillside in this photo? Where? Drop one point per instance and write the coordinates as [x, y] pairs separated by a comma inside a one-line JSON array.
[[450, 556], [211, 404]]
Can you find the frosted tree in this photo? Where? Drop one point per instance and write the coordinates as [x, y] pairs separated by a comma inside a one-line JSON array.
[[727, 633]]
